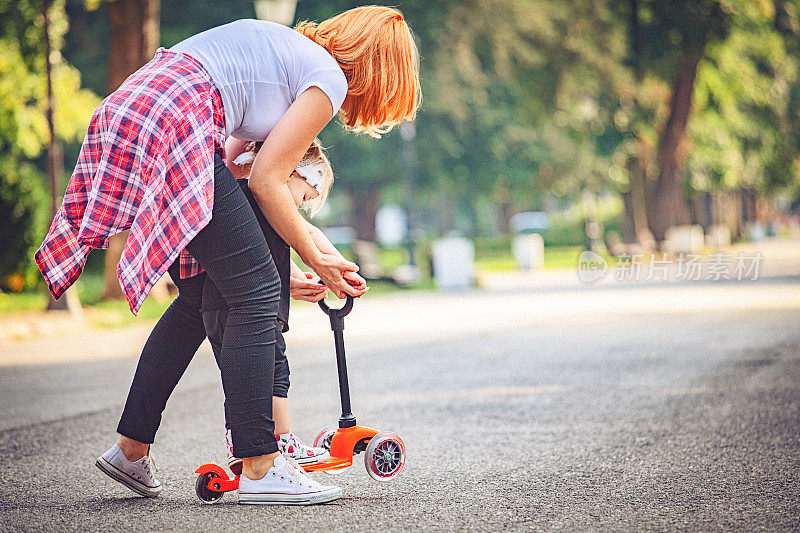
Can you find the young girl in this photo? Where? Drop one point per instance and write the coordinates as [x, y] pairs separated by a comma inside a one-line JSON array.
[[309, 185]]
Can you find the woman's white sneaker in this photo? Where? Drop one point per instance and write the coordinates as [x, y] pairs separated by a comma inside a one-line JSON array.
[[139, 475], [285, 484]]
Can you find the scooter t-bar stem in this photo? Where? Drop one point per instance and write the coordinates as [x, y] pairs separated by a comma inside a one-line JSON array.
[[336, 316], [347, 420]]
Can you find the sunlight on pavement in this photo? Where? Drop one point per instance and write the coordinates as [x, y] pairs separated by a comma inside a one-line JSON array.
[[401, 319], [483, 395]]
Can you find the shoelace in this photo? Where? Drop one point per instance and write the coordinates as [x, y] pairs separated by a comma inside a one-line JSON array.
[[150, 465], [295, 470]]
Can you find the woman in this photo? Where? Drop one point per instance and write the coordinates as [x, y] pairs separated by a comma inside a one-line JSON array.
[[153, 162]]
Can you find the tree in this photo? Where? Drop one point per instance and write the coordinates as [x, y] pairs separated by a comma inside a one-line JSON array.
[[738, 134], [745, 130], [54, 153], [134, 37], [676, 36], [471, 136]]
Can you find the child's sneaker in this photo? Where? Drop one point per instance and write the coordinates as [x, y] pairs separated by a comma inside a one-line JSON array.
[[291, 447], [285, 484], [234, 463], [288, 444], [139, 475]]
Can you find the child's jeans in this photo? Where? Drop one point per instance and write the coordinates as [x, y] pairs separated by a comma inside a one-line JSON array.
[[214, 322]]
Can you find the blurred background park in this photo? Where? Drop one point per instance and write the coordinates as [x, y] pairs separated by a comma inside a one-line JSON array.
[[624, 127]]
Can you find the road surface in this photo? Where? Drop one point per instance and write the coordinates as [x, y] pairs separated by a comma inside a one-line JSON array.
[[647, 407]]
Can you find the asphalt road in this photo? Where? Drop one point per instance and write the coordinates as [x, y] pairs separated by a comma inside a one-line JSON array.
[[614, 415]]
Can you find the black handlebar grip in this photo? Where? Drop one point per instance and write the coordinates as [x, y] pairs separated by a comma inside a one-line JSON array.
[[340, 312]]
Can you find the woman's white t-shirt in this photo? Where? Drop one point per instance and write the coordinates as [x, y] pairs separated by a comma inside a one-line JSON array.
[[260, 68]]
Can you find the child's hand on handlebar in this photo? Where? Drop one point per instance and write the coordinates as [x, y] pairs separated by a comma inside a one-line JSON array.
[[305, 289], [357, 282], [314, 291]]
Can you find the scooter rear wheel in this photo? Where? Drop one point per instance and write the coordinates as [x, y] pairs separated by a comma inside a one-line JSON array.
[[206, 494], [325, 436], [385, 456]]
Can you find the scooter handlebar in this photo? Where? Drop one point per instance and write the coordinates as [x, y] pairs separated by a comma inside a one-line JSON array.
[[340, 312]]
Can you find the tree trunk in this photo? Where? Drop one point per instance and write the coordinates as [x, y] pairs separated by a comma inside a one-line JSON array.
[[638, 185], [635, 39], [134, 26], [708, 215], [637, 201], [628, 225], [470, 210], [669, 206], [55, 154], [694, 215], [366, 203]]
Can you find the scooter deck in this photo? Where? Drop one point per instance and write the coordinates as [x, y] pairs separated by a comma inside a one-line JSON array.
[[343, 444]]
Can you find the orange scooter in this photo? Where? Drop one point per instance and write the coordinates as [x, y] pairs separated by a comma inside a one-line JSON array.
[[384, 453]]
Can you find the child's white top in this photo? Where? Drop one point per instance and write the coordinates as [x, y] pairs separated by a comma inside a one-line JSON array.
[[260, 68]]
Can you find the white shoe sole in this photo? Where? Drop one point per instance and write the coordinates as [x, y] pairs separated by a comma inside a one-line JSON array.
[[312, 460], [118, 475], [276, 498]]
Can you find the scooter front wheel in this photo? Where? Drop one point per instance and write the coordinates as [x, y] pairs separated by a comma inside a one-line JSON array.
[[202, 490], [385, 456]]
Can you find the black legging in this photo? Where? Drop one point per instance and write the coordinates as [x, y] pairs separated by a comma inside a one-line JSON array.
[[232, 251]]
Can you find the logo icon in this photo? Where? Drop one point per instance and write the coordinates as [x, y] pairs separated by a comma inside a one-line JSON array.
[[591, 267]]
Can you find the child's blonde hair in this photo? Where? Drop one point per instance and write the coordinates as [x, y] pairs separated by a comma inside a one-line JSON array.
[[317, 152]]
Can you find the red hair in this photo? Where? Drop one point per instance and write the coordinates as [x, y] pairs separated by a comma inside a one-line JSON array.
[[375, 48]]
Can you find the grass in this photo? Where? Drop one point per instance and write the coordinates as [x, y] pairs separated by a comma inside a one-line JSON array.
[[22, 301], [555, 258], [102, 314], [106, 314], [115, 313], [500, 263]]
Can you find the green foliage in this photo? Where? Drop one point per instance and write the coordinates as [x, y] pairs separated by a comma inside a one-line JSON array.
[[24, 134], [86, 45], [745, 125], [530, 99], [22, 202]]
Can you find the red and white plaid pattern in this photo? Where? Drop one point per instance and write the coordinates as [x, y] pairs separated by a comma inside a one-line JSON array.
[[146, 164]]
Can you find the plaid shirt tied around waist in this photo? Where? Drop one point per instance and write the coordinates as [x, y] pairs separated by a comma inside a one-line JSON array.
[[147, 165]]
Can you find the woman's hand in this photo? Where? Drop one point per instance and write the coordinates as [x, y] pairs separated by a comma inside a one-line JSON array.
[[305, 289], [325, 246], [331, 271]]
